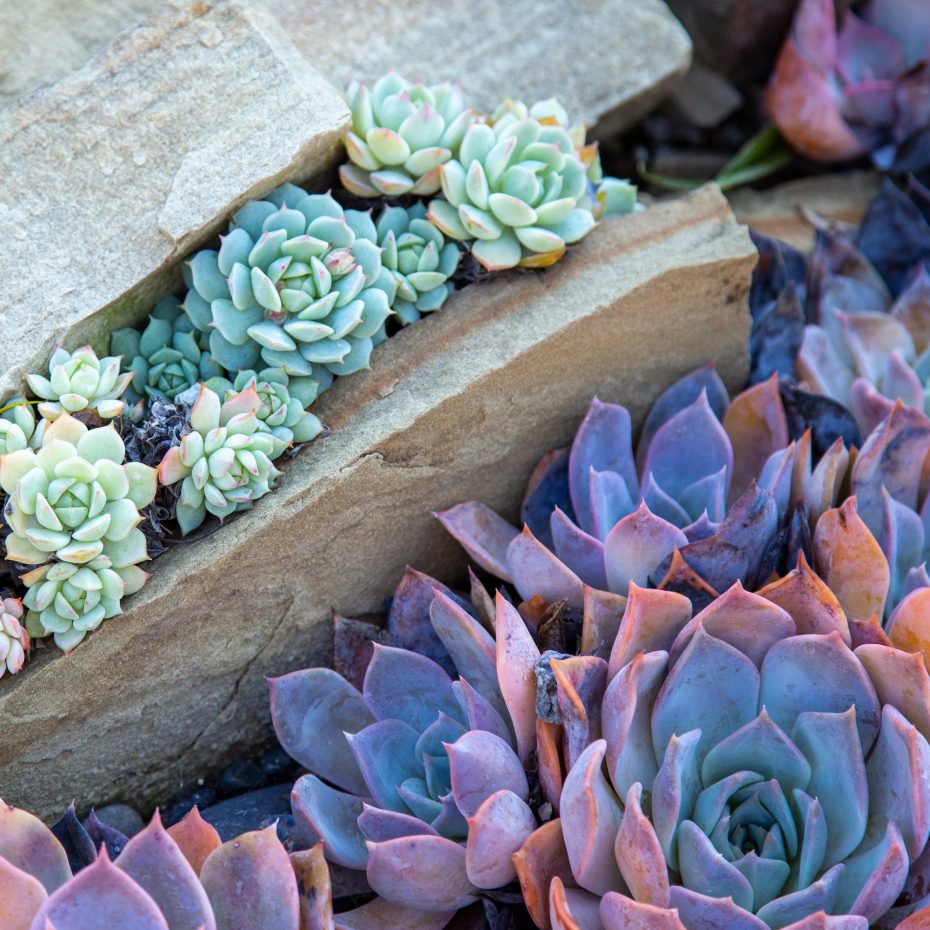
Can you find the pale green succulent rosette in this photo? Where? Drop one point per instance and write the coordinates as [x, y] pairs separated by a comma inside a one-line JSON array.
[[68, 601], [224, 462], [80, 381], [401, 134], [280, 412], [518, 189], [417, 260], [17, 425], [73, 499], [167, 357], [615, 197], [294, 285]]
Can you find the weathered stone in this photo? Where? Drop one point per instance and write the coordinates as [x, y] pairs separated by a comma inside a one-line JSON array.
[[705, 98], [609, 61], [458, 406], [777, 210], [251, 811], [112, 176]]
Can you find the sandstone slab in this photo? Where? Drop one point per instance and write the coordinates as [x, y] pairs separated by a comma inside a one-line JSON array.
[[113, 175], [609, 61], [461, 405]]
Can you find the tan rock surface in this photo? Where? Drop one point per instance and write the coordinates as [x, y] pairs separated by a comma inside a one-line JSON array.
[[459, 406], [113, 175], [608, 60]]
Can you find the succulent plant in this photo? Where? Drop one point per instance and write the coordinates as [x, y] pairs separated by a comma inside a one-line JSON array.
[[418, 778], [748, 769], [401, 134], [182, 877], [279, 414], [517, 188], [167, 357], [294, 284], [418, 259], [74, 499], [79, 381], [711, 477], [17, 425], [836, 96], [14, 640], [224, 462]]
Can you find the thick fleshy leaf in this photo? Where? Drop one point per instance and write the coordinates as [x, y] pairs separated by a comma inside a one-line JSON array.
[[539, 860], [386, 755], [611, 501], [547, 490], [377, 825], [536, 571], [517, 656], [498, 828], [901, 680], [480, 765], [651, 622], [478, 712], [580, 683], [21, 898], [157, 865], [619, 912], [681, 578], [100, 896], [549, 768], [482, 533], [314, 888], [849, 559], [685, 703], [592, 809], [28, 845], [704, 870], [750, 527], [873, 878], [581, 553], [756, 425], [819, 895], [818, 673], [75, 839], [831, 744], [603, 612], [311, 711], [422, 872], [705, 913], [379, 913], [251, 884], [323, 813], [675, 791], [909, 624], [639, 853], [603, 443], [902, 540], [636, 546], [823, 921], [401, 685], [746, 621], [572, 908], [812, 606], [195, 838]]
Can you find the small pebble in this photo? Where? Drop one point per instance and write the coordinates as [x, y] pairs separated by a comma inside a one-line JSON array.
[[175, 811], [121, 817], [251, 811], [277, 765], [239, 778]]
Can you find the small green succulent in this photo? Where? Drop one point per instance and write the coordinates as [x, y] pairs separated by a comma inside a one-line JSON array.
[[294, 285], [517, 187], [401, 134], [614, 197], [167, 357], [418, 260], [74, 499], [17, 425], [280, 413], [80, 381], [224, 462], [68, 601]]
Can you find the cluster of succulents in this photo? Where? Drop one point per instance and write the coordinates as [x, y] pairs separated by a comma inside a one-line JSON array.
[[158, 879], [839, 94]]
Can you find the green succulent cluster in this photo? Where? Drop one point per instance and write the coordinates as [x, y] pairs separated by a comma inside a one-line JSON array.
[[17, 425], [79, 381], [280, 413], [224, 463], [295, 284], [401, 134], [417, 259], [167, 357]]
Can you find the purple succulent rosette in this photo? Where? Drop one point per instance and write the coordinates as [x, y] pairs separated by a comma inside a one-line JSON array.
[[837, 95], [419, 778], [744, 768]]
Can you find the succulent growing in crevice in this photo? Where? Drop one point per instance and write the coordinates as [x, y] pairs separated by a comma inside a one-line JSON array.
[[74, 499], [14, 640], [279, 413], [517, 188], [418, 259], [182, 878], [166, 357], [17, 425], [294, 284], [419, 779], [401, 134], [79, 381], [224, 462]]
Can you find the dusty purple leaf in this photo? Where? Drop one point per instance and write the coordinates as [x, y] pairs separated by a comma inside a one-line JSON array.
[[581, 553], [547, 490], [497, 829], [516, 657], [321, 813], [482, 534], [21, 899], [536, 571], [27, 844], [481, 764], [580, 682]]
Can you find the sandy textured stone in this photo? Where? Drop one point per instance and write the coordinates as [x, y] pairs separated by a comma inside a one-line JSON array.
[[608, 60], [113, 175], [776, 211], [459, 406]]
